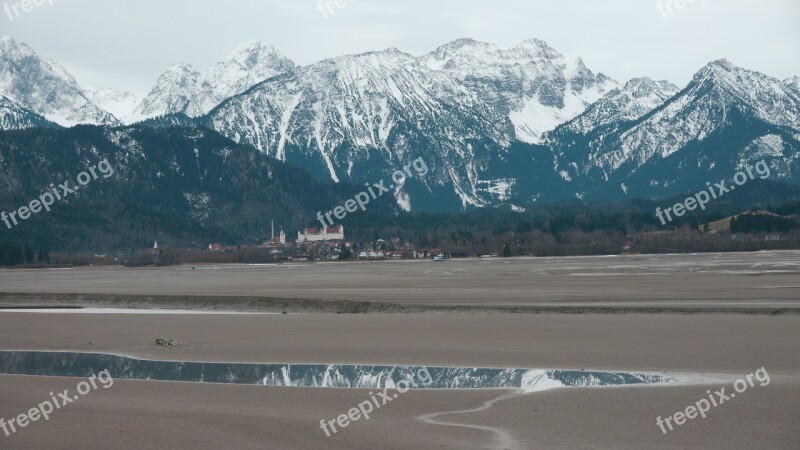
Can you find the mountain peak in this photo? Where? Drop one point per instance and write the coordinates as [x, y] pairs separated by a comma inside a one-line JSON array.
[[390, 54], [460, 42], [540, 47], [716, 68], [722, 74], [254, 53], [644, 84], [739, 84], [183, 89], [179, 67], [43, 86], [534, 42], [748, 86], [634, 82], [720, 93], [10, 47], [629, 102], [464, 43], [252, 46], [463, 47], [722, 63]]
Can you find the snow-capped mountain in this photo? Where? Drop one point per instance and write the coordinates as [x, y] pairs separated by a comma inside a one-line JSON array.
[[119, 103], [14, 116], [793, 83], [536, 86], [494, 126], [178, 90], [248, 65], [183, 89], [464, 108], [43, 86], [717, 92], [359, 116], [725, 118], [636, 98]]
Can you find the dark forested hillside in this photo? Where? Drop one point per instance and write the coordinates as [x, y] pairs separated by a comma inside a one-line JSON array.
[[181, 186]]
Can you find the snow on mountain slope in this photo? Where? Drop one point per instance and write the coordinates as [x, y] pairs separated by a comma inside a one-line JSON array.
[[537, 87], [378, 109], [119, 103], [793, 83], [14, 116], [636, 98], [248, 65], [43, 86], [718, 92], [469, 109], [183, 89], [703, 107], [178, 90]]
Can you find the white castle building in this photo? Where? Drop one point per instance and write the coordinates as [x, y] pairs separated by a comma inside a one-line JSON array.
[[325, 234]]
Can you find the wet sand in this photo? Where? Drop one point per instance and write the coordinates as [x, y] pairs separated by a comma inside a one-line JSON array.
[[198, 416], [718, 343], [159, 415], [167, 415], [741, 280]]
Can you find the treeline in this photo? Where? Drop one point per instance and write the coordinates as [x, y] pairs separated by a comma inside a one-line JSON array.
[[13, 255], [561, 230], [172, 256], [754, 223]]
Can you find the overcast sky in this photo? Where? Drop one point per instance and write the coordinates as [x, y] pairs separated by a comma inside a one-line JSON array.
[[127, 44]]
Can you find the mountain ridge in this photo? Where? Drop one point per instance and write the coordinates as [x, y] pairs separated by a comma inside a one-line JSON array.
[[184, 89], [45, 87], [497, 126]]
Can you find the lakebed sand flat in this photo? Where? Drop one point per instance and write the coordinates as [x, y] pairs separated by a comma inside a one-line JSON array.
[[141, 414], [189, 415], [670, 283], [137, 415]]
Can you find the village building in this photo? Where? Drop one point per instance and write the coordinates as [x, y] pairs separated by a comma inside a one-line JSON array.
[[277, 240], [317, 235]]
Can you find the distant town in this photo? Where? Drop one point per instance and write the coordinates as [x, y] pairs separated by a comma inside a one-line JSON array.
[[330, 244], [752, 230], [312, 244]]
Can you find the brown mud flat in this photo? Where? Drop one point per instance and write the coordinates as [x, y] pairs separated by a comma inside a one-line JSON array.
[[701, 314], [166, 415], [280, 305]]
